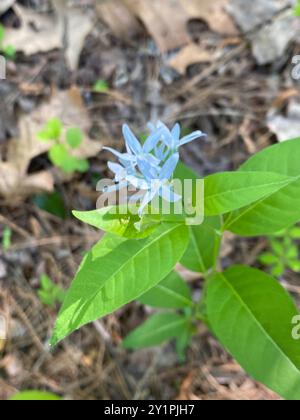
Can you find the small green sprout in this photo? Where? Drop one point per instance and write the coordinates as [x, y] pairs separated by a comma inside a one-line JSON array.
[[6, 238], [101, 86], [51, 131], [49, 293], [284, 253], [60, 153], [74, 137], [297, 9], [9, 51]]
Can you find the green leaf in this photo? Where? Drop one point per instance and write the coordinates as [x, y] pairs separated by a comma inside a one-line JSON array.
[[279, 210], [251, 314], [118, 271], [74, 137], [292, 252], [297, 9], [228, 191], [50, 294], [58, 155], [46, 282], [101, 86], [2, 33], [35, 396], [183, 340], [61, 158], [277, 247], [52, 130], [278, 270], [294, 265], [268, 259], [111, 219], [6, 238], [172, 292], [203, 246], [156, 330], [294, 232], [10, 52], [80, 165]]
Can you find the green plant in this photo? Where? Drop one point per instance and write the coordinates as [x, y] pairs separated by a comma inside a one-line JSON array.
[[6, 238], [61, 153], [101, 86], [9, 51], [49, 293], [248, 310], [284, 252], [297, 8], [35, 396]]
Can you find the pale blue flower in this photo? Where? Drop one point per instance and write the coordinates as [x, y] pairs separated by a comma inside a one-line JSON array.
[[169, 138], [150, 167], [159, 185], [135, 151]]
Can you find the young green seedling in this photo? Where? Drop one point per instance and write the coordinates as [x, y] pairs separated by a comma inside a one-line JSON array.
[[6, 238], [60, 154], [284, 252], [297, 8], [8, 50], [101, 86], [49, 293]]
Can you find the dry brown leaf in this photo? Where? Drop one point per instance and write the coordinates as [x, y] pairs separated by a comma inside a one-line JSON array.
[[42, 33], [14, 184], [78, 28], [75, 27], [191, 54], [119, 18], [14, 179], [38, 33], [166, 21], [213, 12]]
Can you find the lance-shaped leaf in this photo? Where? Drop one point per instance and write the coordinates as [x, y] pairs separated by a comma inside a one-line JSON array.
[[116, 272], [228, 191], [156, 330], [251, 314], [203, 246], [172, 292], [119, 220], [278, 210]]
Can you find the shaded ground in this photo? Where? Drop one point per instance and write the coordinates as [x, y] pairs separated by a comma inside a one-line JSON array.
[[229, 97]]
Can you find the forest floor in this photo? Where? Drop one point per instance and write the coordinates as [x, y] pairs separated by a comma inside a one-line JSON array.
[[217, 66]]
